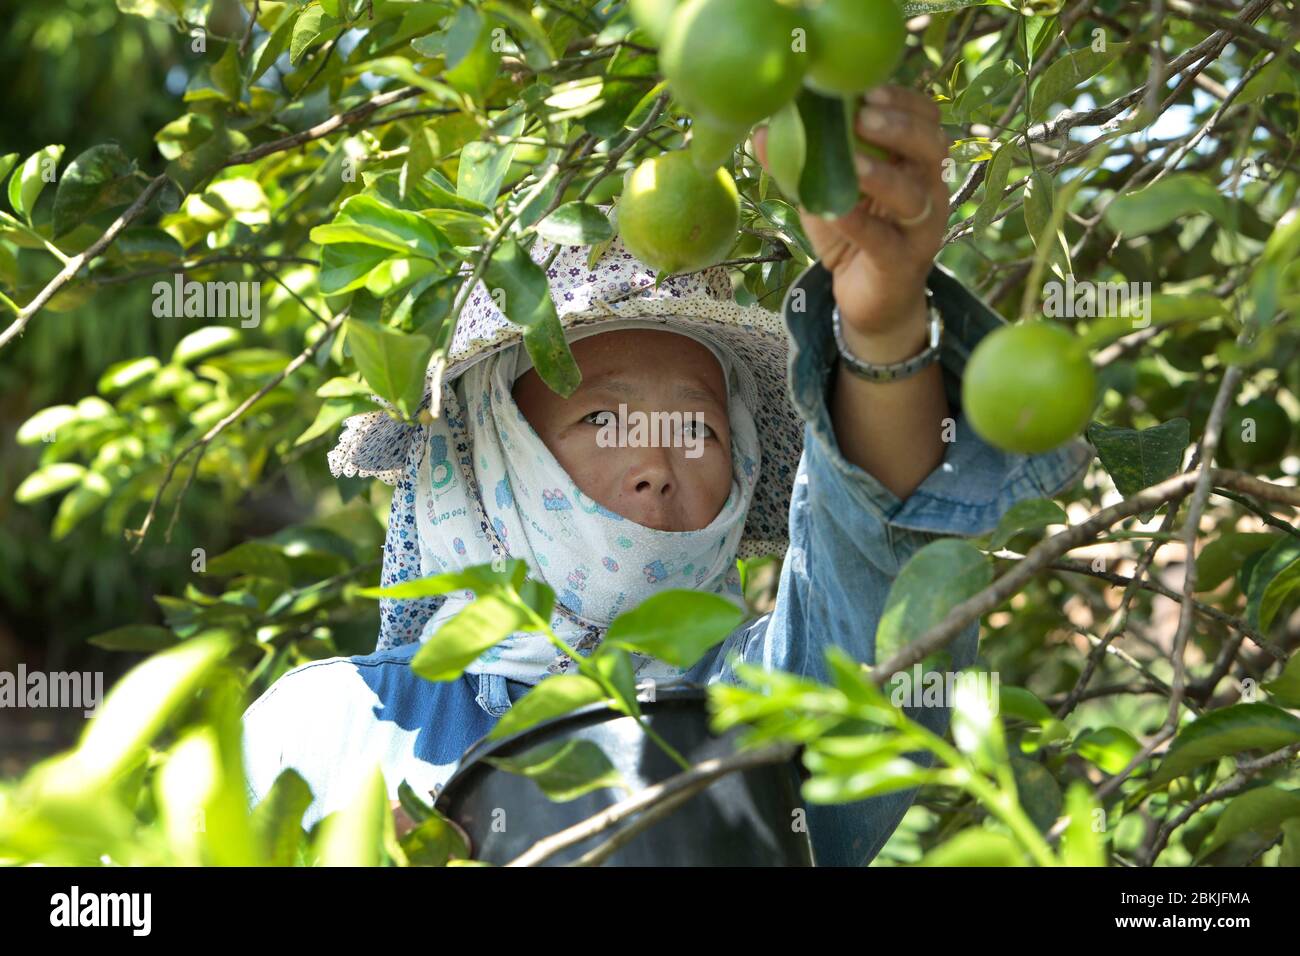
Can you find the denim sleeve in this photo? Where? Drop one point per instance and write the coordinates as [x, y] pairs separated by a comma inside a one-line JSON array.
[[850, 535], [400, 621], [974, 485]]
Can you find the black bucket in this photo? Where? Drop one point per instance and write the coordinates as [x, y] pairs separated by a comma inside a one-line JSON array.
[[748, 818]]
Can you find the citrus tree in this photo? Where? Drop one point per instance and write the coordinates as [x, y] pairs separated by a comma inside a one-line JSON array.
[[1122, 185]]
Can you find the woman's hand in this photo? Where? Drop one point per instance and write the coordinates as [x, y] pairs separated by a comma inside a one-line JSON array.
[[878, 266], [879, 256]]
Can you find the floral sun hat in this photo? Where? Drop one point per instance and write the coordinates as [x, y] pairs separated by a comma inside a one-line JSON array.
[[617, 288]]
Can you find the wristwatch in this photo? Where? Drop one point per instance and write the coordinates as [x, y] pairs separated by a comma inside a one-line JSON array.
[[895, 370]]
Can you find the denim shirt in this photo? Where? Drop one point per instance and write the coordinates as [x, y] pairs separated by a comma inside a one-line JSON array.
[[334, 720]]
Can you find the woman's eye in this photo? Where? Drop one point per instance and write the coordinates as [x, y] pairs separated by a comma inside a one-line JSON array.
[[704, 431], [600, 419]]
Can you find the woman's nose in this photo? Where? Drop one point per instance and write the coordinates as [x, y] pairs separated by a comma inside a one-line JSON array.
[[651, 474]]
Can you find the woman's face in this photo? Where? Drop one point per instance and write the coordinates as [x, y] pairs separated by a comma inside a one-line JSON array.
[[676, 488]]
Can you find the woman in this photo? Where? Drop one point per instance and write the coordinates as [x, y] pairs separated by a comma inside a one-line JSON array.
[[841, 447]]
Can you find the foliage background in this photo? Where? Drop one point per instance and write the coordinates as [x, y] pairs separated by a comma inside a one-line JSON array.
[[82, 73]]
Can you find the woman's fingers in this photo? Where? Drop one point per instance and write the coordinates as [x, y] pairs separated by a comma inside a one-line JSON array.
[[866, 230], [905, 98], [896, 192], [917, 140]]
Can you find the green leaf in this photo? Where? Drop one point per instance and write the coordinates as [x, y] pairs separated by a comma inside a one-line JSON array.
[[1081, 843], [122, 375], [849, 767], [563, 769], [393, 363], [1110, 748], [196, 166], [995, 180], [976, 728], [49, 480], [1024, 516], [251, 558], [366, 220], [1067, 74], [1222, 733], [518, 285], [135, 637], [460, 640], [1290, 855], [100, 178], [7, 163], [471, 57], [1018, 702], [553, 697], [677, 626], [277, 819], [1261, 811], [1139, 459], [169, 11], [347, 266], [1039, 794], [434, 841], [47, 421], [483, 166], [829, 184], [615, 666], [552, 359], [205, 342], [529, 35], [986, 88], [183, 134], [404, 70], [331, 415], [270, 48], [1275, 578], [140, 705], [354, 835], [539, 596], [936, 578], [29, 179], [1223, 557], [1285, 688], [576, 224], [976, 847], [80, 503], [479, 578], [312, 24], [787, 149], [1166, 201]]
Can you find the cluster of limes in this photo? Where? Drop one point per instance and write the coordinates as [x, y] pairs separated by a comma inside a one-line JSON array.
[[732, 63]]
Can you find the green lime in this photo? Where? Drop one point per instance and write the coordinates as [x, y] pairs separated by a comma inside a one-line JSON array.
[[653, 16], [733, 61], [853, 44], [675, 218], [1028, 387]]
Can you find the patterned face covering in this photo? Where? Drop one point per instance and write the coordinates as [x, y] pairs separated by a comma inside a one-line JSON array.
[[489, 487]]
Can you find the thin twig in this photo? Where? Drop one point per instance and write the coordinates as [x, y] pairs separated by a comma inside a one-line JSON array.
[[704, 773]]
